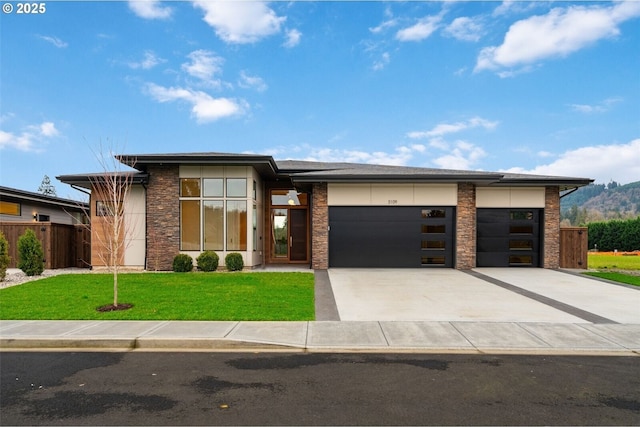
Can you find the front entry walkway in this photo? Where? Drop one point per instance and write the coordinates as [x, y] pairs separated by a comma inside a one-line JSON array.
[[453, 295]]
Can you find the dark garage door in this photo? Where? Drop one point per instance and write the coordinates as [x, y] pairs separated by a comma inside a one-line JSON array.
[[391, 236], [508, 237]]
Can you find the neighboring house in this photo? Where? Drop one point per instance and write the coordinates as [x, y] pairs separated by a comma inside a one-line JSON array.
[[60, 224], [336, 214], [19, 205]]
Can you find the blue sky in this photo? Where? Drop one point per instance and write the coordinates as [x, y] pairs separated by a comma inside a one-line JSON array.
[[535, 87]]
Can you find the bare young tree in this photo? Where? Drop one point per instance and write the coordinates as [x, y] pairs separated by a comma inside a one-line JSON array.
[[112, 231]]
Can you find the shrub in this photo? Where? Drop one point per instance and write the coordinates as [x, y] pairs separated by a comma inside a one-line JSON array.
[[182, 263], [208, 261], [234, 261], [30, 255], [4, 256]]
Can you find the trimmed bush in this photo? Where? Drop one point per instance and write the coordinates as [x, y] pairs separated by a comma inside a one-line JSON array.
[[4, 256], [208, 261], [30, 254], [182, 263], [234, 261]]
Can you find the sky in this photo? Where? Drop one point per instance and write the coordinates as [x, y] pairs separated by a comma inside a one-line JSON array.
[[549, 88]]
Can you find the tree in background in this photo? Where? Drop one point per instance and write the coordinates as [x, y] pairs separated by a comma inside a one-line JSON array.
[[46, 187], [110, 229]]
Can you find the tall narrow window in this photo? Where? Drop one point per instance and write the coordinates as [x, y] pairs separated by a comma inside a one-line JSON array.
[[190, 225], [236, 225], [213, 225]]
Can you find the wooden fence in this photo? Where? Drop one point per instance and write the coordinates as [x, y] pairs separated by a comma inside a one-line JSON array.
[[63, 245], [574, 247]]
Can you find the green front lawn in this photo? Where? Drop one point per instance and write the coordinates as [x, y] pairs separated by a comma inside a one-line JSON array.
[[164, 296], [617, 277]]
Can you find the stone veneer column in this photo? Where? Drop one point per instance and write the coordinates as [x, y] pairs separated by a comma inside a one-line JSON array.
[[551, 227], [319, 227], [163, 217], [466, 226]]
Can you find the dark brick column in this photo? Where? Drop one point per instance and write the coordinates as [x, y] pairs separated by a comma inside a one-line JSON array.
[[466, 226], [319, 227], [163, 217], [551, 227]]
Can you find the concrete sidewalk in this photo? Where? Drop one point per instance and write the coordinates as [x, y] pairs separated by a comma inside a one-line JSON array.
[[330, 336]]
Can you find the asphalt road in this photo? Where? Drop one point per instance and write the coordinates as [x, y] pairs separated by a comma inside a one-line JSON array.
[[316, 389]]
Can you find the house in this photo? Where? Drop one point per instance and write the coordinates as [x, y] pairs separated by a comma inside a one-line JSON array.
[[60, 224], [19, 206], [336, 214]]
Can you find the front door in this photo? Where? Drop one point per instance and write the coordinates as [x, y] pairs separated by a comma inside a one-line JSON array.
[[289, 227]]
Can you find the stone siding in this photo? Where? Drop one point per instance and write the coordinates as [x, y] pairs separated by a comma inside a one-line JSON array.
[[551, 228], [163, 217], [466, 227], [319, 227]]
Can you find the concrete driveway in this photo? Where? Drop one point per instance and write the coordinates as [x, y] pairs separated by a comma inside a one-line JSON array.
[[484, 294]]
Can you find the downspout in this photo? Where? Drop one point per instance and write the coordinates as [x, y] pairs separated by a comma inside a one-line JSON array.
[[146, 234]]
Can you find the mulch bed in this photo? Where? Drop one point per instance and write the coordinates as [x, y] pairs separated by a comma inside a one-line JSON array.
[[111, 307]]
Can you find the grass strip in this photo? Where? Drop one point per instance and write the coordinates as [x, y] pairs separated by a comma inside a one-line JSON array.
[[616, 277], [164, 296]]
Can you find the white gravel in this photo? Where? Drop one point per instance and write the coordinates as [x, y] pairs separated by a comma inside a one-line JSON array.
[[16, 276]]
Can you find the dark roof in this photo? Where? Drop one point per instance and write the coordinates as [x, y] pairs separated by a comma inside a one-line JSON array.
[[334, 172], [87, 179], [264, 164], [304, 172], [7, 193]]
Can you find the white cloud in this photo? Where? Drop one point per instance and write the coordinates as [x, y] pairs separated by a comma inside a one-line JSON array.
[[150, 9], [384, 60], [55, 41], [204, 66], [420, 30], [30, 139], [384, 26], [149, 61], [465, 28], [447, 128], [251, 82], [559, 33], [462, 157], [293, 38], [400, 157], [618, 162], [47, 129], [240, 21], [602, 107], [204, 107]]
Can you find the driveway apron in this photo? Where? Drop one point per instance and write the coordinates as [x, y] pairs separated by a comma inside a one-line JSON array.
[[453, 295]]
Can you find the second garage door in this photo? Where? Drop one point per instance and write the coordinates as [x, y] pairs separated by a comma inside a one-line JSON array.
[[391, 236]]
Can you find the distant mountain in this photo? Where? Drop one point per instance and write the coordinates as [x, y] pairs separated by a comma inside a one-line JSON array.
[[600, 202]]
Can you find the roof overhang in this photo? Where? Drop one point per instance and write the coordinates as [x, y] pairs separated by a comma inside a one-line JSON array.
[[12, 194], [88, 180], [265, 165]]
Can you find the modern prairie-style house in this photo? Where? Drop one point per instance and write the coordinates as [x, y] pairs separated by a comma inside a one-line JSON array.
[[329, 215]]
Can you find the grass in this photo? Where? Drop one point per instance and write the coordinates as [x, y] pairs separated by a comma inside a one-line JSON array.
[[164, 296], [613, 267], [609, 261], [616, 277]]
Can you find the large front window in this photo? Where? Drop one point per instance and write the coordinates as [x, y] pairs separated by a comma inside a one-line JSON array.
[[213, 214]]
